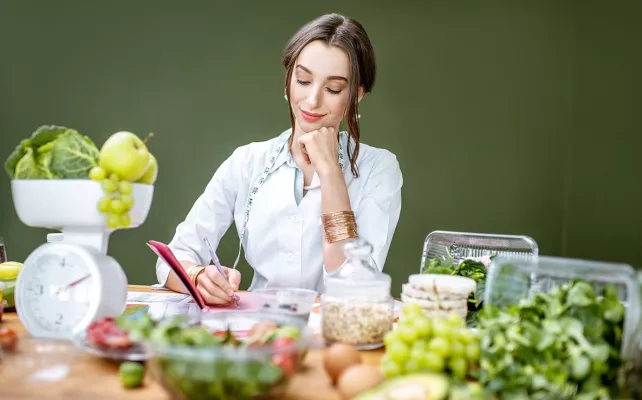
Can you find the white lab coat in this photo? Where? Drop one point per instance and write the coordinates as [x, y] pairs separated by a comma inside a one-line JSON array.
[[283, 239]]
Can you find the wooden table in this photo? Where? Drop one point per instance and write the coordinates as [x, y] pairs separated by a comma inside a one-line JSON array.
[[95, 378]]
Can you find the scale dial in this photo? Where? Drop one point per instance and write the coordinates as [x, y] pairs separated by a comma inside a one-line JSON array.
[[61, 289]]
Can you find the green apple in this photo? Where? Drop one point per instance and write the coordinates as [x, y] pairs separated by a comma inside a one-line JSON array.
[[151, 173], [126, 155], [8, 274]]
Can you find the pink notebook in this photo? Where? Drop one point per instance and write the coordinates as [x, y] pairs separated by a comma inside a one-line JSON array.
[[248, 301]]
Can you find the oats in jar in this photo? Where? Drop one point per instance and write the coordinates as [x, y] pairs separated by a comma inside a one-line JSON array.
[[360, 323]]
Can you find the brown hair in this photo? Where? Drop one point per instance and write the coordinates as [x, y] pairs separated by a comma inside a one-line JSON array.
[[348, 35]]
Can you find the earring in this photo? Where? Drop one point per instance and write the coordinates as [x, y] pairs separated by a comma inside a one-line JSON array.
[[285, 94]]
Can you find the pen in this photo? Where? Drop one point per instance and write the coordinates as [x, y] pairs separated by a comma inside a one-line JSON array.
[[219, 267]]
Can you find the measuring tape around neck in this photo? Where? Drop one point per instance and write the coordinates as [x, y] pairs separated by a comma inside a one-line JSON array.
[[281, 144]]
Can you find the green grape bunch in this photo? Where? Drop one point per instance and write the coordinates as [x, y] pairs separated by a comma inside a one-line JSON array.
[[438, 344], [117, 200]]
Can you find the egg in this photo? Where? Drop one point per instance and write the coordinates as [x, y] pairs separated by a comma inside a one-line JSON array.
[[358, 379], [338, 357]]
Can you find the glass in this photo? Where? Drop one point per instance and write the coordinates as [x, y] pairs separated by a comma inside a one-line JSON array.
[[290, 301], [3, 251], [356, 307], [228, 372]]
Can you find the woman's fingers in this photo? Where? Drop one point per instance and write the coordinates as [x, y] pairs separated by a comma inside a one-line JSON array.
[[211, 292], [219, 280], [233, 277], [304, 151]]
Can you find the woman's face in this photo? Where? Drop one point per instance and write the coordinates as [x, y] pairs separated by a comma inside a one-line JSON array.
[[320, 87]]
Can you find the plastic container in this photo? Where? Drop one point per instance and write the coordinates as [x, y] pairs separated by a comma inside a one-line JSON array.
[[463, 245], [289, 301], [356, 307], [632, 375], [510, 280], [224, 372]]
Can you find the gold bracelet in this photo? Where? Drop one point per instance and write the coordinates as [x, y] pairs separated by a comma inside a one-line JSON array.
[[194, 272], [339, 226]]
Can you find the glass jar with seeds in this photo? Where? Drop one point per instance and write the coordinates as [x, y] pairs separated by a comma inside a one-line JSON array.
[[356, 307]]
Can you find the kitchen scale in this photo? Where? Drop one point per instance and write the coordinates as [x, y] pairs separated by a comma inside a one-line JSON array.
[[70, 281]]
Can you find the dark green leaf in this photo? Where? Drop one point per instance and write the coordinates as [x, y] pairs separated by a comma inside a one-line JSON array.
[[46, 134]]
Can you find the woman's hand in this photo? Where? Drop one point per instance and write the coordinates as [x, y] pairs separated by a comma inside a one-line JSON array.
[[321, 149], [213, 286]]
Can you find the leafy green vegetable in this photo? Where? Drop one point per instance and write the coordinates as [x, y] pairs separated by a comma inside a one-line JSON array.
[[52, 152], [553, 346], [73, 156]]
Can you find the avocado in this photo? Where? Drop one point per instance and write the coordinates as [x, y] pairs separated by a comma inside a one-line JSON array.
[[419, 386]]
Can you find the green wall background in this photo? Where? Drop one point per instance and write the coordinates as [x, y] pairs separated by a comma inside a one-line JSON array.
[[506, 117]]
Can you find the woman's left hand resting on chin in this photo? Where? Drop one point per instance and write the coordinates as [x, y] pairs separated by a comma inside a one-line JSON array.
[[321, 149]]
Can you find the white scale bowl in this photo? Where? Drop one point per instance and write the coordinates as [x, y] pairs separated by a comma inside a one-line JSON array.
[[71, 203]]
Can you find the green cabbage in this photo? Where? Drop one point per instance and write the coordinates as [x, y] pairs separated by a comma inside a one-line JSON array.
[[53, 152], [73, 156]]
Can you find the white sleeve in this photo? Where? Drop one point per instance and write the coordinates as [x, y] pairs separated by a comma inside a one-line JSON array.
[[378, 213], [211, 215]]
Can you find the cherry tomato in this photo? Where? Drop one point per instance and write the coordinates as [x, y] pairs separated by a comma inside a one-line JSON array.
[[286, 362], [8, 339]]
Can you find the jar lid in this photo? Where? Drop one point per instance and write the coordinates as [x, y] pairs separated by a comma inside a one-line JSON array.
[[358, 265]]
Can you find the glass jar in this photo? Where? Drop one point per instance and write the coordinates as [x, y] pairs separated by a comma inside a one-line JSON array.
[[356, 306], [3, 251]]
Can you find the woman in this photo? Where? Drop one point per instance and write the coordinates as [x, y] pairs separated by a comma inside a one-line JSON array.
[[309, 189]]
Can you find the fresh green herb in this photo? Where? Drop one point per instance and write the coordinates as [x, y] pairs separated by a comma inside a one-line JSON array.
[[564, 344]]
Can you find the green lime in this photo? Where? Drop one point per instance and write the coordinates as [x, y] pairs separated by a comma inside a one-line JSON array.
[[131, 374]]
